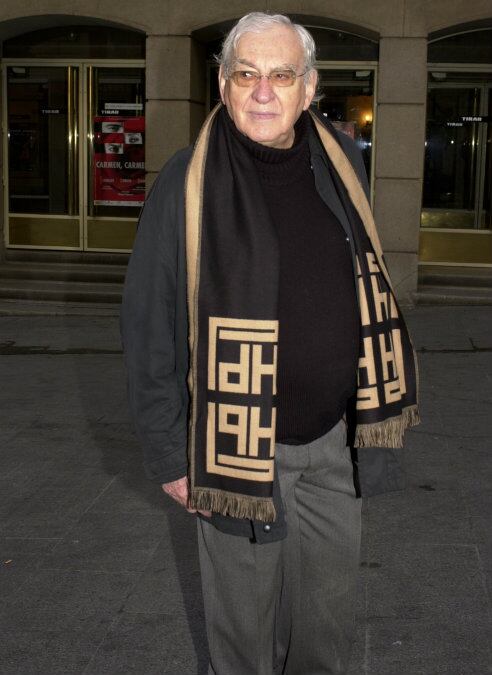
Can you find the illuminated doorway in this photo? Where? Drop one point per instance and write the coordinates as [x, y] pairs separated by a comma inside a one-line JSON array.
[[74, 148], [456, 219]]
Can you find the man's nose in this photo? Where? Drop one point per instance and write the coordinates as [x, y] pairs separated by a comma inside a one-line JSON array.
[[263, 92]]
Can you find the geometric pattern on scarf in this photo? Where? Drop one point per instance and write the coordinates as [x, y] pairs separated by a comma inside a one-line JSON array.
[[232, 274]]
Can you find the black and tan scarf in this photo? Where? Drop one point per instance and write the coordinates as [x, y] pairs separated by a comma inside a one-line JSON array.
[[232, 270]]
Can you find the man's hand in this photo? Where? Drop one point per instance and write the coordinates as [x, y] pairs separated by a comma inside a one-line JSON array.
[[179, 490]]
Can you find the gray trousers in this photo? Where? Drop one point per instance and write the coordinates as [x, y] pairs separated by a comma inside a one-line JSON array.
[[288, 607]]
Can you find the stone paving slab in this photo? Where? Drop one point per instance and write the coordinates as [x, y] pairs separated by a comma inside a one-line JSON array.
[[63, 649], [98, 568], [61, 332], [135, 646], [435, 328], [415, 582], [435, 647]]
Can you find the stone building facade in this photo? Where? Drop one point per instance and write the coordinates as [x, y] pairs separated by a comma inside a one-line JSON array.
[[178, 40]]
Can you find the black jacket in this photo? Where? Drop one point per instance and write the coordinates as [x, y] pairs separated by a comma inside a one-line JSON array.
[[154, 328]]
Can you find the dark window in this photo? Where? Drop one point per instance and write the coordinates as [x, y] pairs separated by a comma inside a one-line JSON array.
[[77, 42], [336, 45], [331, 45], [471, 47]]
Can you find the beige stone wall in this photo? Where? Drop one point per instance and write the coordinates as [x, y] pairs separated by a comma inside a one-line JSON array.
[[390, 18], [176, 84], [400, 137]]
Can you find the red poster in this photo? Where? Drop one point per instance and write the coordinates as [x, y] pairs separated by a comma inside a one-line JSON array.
[[119, 161]]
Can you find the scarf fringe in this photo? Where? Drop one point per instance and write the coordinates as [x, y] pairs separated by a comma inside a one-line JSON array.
[[235, 505], [388, 433]]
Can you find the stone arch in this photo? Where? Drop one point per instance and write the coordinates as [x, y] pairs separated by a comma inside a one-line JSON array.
[[474, 40], [323, 29], [213, 31], [347, 16], [469, 21], [466, 27], [31, 31], [15, 26]]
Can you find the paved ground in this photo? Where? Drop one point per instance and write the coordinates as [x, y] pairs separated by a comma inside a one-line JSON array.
[[98, 570]]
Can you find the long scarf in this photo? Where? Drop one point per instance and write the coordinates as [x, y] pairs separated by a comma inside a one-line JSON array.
[[232, 274]]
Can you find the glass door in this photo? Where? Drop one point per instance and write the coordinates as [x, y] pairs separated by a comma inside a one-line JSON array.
[[43, 156], [485, 216], [347, 99], [451, 158], [455, 219], [62, 193], [116, 156]]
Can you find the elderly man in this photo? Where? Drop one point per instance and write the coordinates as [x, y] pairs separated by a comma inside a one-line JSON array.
[[260, 329]]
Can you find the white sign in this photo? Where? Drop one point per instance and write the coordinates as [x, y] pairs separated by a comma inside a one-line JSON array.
[[123, 106]]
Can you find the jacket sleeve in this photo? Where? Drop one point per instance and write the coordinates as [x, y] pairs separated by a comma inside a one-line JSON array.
[[157, 392]]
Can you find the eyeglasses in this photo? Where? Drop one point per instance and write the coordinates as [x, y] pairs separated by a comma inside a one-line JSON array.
[[277, 78]]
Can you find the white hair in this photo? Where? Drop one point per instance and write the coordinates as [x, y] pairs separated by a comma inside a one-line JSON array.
[[258, 22]]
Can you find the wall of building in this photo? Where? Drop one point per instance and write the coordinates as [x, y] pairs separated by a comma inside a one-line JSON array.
[[176, 84]]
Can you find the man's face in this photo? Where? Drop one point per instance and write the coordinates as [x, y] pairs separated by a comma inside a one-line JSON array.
[[264, 113]]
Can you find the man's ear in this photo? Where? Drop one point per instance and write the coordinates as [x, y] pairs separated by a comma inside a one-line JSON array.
[[310, 88], [222, 83]]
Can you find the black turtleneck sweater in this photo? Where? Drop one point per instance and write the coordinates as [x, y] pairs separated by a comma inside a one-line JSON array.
[[318, 317]]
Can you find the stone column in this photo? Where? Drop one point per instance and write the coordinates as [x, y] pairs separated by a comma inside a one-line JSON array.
[[400, 138], [175, 93]]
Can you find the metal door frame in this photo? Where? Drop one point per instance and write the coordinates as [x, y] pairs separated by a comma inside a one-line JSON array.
[[481, 149], [480, 167], [362, 65], [83, 139]]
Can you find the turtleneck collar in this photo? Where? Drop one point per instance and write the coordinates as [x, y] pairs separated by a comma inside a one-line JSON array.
[[278, 165]]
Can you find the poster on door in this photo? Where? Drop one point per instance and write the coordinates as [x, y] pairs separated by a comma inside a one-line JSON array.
[[119, 161]]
